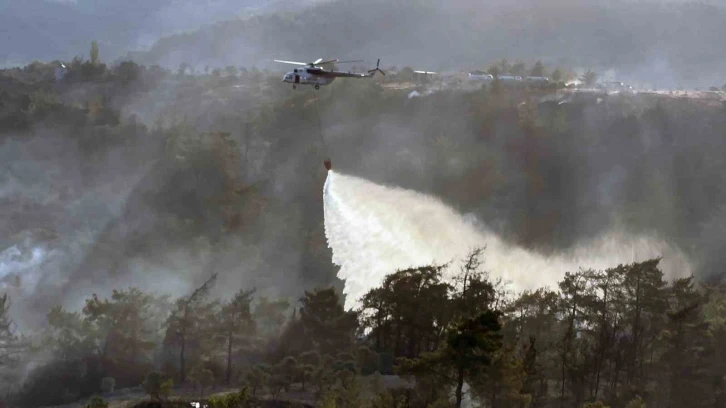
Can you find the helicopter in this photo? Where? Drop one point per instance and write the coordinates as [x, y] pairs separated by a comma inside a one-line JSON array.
[[314, 74]]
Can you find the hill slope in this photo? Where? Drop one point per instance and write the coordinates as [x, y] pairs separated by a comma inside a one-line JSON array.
[[91, 198]]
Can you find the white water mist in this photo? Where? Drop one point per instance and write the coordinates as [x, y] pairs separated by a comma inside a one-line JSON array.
[[375, 230]]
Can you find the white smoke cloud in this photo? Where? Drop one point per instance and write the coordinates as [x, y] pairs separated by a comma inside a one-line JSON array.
[[375, 230], [13, 261]]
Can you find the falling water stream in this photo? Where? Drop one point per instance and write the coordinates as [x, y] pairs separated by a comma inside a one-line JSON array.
[[374, 230]]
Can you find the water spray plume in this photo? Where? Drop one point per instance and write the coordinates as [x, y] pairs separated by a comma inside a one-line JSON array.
[[375, 230]]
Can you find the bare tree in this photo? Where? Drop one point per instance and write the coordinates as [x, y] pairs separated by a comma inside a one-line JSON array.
[[10, 344]]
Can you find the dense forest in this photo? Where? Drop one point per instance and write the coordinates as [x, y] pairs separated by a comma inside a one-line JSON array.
[[161, 225], [623, 337]]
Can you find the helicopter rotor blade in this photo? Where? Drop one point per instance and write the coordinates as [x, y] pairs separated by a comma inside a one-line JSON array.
[[291, 62], [346, 62], [321, 62]]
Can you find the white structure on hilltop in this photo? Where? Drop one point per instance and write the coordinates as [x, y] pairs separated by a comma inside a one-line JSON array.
[[60, 71]]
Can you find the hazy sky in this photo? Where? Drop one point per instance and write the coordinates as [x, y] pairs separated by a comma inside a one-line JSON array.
[[62, 29]]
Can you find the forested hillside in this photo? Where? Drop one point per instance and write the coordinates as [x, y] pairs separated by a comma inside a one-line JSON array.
[[623, 337], [142, 140], [122, 176]]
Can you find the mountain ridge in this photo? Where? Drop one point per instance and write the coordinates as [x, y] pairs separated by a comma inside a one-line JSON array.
[[54, 29], [640, 40]]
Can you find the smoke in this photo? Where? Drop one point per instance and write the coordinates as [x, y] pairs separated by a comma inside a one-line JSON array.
[[105, 208], [57, 194], [375, 230]]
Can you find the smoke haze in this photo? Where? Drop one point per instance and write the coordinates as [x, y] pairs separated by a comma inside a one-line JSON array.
[[180, 154], [91, 209]]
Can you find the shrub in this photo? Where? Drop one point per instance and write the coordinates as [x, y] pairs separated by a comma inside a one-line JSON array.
[[42, 102], [598, 404], [257, 377], [97, 402], [239, 399], [636, 403], [156, 387], [202, 377]]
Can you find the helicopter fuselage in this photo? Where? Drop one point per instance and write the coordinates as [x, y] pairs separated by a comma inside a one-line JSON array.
[[314, 74], [301, 76]]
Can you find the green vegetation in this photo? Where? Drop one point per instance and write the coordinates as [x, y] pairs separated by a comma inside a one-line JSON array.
[[239, 399], [97, 402], [156, 386], [94, 52], [236, 174], [202, 378], [538, 69], [542, 348]]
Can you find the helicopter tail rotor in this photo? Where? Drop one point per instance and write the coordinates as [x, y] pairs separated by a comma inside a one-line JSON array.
[[373, 71]]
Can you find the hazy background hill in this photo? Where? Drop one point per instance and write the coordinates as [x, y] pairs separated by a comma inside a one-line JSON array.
[[663, 44], [651, 43], [61, 29]]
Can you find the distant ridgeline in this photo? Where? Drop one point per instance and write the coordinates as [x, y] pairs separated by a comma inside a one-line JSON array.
[[460, 34]]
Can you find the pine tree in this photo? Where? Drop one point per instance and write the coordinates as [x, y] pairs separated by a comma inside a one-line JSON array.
[[328, 325], [235, 325], [94, 52], [189, 323], [537, 70]]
